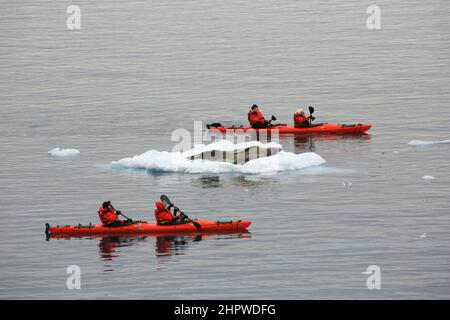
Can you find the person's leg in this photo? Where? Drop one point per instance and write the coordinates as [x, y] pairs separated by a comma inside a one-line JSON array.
[[128, 222], [115, 224], [182, 221], [260, 125], [175, 222]]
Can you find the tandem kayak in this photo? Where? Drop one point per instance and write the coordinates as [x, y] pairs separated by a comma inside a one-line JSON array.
[[150, 228], [319, 128]]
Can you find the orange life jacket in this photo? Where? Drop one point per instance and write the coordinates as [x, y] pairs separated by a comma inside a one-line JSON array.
[[162, 215], [107, 216], [300, 120], [256, 117]]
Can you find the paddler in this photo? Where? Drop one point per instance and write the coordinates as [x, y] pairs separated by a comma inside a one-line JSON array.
[[164, 216], [300, 119], [108, 216], [256, 119]]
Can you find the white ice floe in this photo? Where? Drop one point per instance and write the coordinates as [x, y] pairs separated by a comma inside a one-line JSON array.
[[424, 235], [426, 143], [347, 184], [165, 161], [428, 178], [57, 152]]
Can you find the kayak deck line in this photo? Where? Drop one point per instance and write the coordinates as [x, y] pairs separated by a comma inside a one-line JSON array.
[[144, 227]]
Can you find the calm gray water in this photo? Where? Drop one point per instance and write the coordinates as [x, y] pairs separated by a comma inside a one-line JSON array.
[[137, 70]]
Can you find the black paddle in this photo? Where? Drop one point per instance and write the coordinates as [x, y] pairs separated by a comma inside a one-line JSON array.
[[121, 214], [311, 117], [273, 118], [165, 199]]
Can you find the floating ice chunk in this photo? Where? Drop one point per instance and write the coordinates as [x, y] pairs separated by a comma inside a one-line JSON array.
[[347, 184], [424, 235], [428, 178], [426, 143], [177, 162], [57, 152]]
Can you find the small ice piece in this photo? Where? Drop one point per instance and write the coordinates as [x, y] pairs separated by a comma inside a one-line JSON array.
[[428, 178], [426, 143], [423, 235], [57, 152], [347, 184]]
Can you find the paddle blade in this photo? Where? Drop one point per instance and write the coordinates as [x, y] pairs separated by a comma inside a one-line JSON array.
[[274, 118], [165, 199], [311, 110]]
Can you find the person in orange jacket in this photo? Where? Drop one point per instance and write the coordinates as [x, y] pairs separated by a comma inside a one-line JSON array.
[[108, 215], [163, 215], [300, 119], [256, 118]]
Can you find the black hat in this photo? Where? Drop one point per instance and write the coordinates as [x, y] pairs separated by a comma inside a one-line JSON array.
[[254, 106], [106, 204]]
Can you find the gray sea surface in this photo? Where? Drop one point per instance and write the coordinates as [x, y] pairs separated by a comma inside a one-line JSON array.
[[138, 70]]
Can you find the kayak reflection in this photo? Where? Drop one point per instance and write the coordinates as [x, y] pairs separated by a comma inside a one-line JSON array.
[[176, 245], [165, 245], [304, 144], [307, 142], [108, 245]]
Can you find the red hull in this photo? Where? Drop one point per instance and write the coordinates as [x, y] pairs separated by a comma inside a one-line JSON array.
[[150, 228], [324, 128]]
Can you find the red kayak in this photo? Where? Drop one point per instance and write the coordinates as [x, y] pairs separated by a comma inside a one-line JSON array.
[[150, 228], [320, 128]]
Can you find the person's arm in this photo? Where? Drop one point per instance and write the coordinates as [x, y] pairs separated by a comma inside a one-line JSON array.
[[163, 216], [261, 118], [115, 215], [167, 216], [177, 214]]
